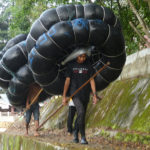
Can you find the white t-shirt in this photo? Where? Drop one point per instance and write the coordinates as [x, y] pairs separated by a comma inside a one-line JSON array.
[[71, 103]]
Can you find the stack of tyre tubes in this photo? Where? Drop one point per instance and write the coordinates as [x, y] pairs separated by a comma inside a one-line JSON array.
[[54, 37], [12, 42], [15, 75]]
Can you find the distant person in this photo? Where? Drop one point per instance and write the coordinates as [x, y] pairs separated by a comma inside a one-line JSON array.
[[34, 108], [77, 73], [71, 114], [147, 44]]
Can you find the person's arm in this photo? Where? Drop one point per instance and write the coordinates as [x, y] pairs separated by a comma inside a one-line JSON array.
[[28, 100], [93, 87], [29, 96], [66, 87]]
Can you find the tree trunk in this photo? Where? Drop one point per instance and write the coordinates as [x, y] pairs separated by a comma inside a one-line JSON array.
[[148, 1], [119, 6], [111, 3]]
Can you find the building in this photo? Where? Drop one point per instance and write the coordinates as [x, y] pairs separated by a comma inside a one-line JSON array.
[[5, 107]]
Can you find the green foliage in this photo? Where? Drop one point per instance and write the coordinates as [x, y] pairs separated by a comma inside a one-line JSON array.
[[20, 20], [19, 23]]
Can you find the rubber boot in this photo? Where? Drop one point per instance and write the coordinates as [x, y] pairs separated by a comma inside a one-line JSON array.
[[83, 140], [76, 139]]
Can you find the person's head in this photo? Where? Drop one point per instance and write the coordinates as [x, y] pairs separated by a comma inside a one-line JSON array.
[[81, 58]]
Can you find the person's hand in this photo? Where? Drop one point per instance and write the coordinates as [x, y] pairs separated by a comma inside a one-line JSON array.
[[94, 99], [64, 100], [28, 106], [148, 41]]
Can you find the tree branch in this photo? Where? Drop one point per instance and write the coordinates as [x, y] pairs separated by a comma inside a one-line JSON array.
[[139, 34], [142, 23], [119, 6]]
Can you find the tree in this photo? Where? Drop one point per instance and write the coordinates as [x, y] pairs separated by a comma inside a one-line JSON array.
[[24, 12], [4, 21]]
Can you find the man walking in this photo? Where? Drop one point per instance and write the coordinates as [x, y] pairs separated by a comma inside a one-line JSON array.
[[77, 73]]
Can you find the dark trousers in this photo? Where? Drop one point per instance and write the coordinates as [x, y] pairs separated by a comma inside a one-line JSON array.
[[71, 114], [35, 110], [81, 106]]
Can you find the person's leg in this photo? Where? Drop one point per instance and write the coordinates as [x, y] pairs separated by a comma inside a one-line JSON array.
[[71, 115], [36, 126], [28, 118], [76, 131], [80, 122], [83, 136], [36, 114]]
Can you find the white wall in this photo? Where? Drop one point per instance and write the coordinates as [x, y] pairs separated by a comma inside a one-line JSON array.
[[137, 65]]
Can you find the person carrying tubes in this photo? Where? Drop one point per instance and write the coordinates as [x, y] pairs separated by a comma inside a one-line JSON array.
[[77, 73], [34, 108]]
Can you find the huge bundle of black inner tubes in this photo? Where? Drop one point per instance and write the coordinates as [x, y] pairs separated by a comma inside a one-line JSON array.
[[15, 75], [53, 38], [12, 42], [6, 55]]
